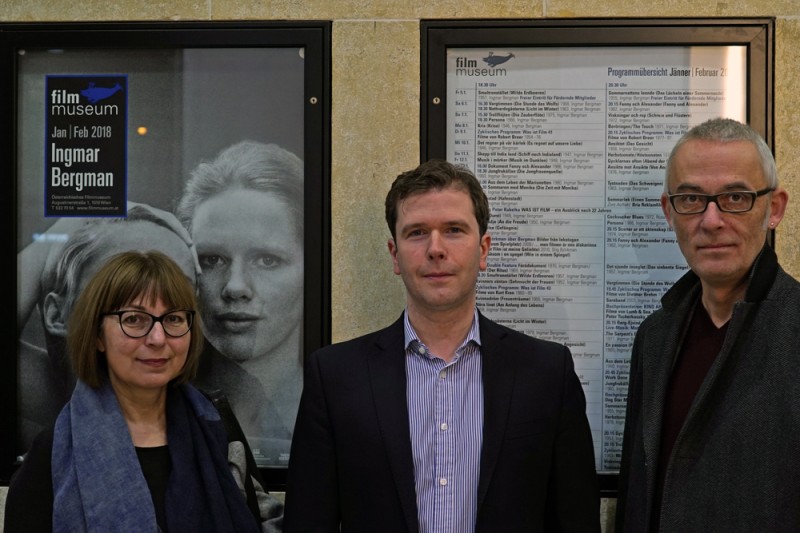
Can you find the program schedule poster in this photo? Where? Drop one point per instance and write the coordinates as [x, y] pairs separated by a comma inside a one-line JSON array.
[[570, 144]]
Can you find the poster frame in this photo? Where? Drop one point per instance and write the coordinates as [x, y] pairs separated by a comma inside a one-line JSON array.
[[313, 37], [756, 34]]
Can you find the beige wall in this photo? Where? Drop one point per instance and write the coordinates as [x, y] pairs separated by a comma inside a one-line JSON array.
[[375, 108]]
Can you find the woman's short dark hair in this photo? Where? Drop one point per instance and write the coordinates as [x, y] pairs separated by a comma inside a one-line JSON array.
[[435, 175], [121, 280]]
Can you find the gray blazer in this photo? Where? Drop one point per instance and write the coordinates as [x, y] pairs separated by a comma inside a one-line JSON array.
[[736, 462]]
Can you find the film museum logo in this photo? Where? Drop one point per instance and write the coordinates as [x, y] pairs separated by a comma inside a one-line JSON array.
[[66, 103], [470, 67]]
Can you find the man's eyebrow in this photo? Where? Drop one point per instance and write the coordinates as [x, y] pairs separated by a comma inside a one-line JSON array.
[[446, 223], [411, 226], [458, 222], [688, 187], [734, 186]]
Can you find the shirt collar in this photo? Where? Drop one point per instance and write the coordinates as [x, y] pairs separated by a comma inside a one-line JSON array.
[[412, 340]]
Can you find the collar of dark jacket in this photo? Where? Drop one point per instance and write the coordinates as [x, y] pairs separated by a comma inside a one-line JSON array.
[[762, 275]]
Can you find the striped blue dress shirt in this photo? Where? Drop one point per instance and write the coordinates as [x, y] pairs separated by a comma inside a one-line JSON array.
[[445, 409]]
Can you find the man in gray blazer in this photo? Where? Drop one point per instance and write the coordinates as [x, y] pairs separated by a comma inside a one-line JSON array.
[[711, 435], [444, 422]]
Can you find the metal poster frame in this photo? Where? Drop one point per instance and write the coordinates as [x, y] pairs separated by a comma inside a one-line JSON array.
[[567, 123], [183, 93]]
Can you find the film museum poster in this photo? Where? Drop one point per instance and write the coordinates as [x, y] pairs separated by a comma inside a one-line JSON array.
[[86, 139], [106, 142], [571, 146]]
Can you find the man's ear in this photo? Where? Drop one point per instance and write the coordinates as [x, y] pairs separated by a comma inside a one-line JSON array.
[[393, 252], [666, 209], [485, 243], [54, 320], [777, 206]]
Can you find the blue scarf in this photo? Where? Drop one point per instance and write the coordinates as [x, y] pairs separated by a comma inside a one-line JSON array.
[[98, 485]]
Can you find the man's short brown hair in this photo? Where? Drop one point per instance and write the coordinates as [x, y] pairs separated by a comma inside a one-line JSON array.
[[436, 175]]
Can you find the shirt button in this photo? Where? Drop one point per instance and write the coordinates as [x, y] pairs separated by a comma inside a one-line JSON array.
[[443, 427], [443, 374], [421, 350], [443, 481]]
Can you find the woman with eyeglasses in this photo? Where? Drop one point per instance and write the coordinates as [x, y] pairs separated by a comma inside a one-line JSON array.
[[136, 448]]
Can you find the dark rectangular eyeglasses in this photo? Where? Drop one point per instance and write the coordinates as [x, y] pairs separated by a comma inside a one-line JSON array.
[[137, 324], [692, 203]]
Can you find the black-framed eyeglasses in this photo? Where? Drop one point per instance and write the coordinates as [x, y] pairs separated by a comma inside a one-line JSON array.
[[692, 203], [137, 324]]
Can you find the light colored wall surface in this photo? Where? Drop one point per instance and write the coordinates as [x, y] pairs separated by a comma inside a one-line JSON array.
[[375, 107]]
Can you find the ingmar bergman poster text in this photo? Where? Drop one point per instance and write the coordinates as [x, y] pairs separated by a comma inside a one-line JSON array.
[[85, 145]]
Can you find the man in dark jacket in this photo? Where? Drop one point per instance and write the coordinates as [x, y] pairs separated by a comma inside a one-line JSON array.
[[714, 396], [445, 421]]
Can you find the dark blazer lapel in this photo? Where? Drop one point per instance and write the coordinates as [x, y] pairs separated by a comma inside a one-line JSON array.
[[388, 375], [659, 351], [498, 385]]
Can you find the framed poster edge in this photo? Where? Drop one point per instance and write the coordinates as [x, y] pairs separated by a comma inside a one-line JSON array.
[[314, 35], [437, 35]]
